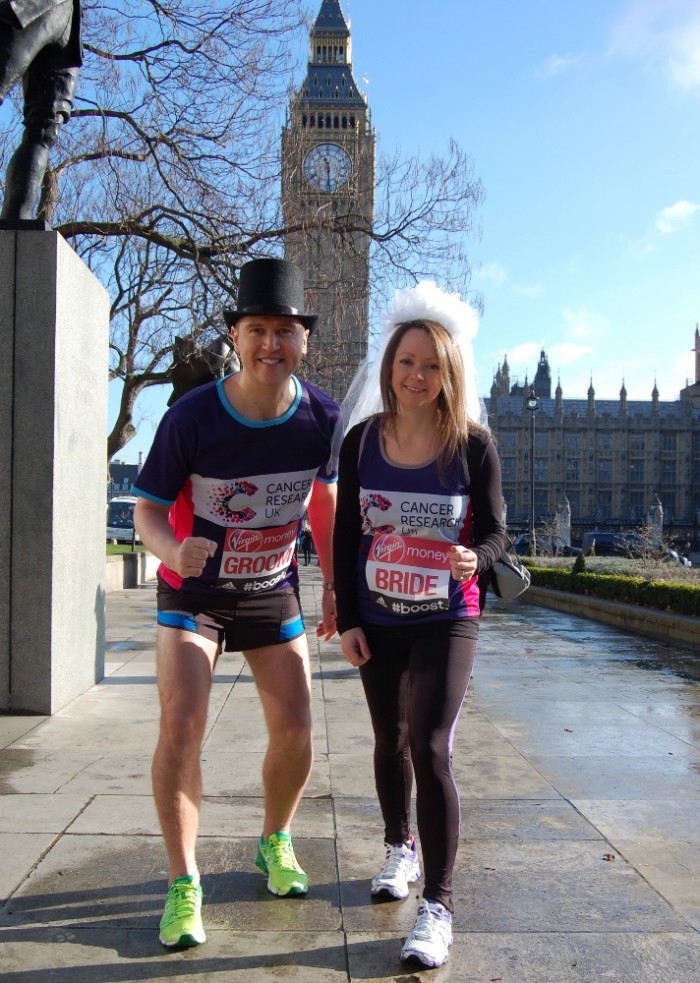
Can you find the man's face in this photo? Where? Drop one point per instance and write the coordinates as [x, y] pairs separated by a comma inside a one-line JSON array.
[[270, 347]]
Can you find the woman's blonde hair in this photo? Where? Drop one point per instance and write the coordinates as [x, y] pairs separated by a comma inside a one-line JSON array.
[[453, 421]]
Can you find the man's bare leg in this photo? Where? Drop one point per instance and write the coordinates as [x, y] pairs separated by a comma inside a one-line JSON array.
[[283, 679], [185, 664]]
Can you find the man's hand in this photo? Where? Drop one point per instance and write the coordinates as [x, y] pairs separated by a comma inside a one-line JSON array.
[[326, 629], [191, 555]]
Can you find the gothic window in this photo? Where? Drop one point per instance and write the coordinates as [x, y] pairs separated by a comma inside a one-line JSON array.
[[320, 122], [320, 93], [668, 442], [541, 502], [303, 120], [312, 121], [352, 119], [344, 122], [573, 441], [637, 472], [508, 469], [668, 472], [507, 440], [604, 504], [336, 122], [541, 441], [605, 469], [328, 121], [318, 54], [573, 472], [604, 442], [637, 442], [541, 469], [329, 81], [636, 506]]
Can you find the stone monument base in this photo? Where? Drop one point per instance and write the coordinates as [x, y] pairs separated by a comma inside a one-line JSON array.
[[54, 328]]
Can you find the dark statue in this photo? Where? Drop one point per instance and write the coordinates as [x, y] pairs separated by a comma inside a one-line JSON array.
[[39, 45], [194, 365]]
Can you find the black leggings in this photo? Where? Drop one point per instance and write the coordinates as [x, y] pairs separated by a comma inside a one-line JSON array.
[[415, 687]]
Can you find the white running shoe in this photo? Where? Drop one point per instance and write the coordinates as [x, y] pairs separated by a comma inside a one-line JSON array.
[[400, 867], [431, 938]]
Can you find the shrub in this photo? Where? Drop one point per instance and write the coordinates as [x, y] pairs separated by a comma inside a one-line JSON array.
[[666, 595], [579, 565]]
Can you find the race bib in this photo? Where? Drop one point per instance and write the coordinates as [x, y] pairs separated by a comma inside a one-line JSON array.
[[256, 559], [408, 575]]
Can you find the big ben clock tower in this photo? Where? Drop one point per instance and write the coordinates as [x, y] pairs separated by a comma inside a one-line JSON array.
[[328, 184]]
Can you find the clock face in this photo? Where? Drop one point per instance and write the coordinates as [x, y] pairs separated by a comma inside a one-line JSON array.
[[327, 166]]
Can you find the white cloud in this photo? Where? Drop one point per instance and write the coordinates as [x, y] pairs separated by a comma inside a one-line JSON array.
[[567, 353], [493, 272], [582, 325], [533, 291], [664, 33], [557, 65], [675, 216]]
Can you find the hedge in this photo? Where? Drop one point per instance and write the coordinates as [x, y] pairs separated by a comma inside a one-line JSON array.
[[666, 595]]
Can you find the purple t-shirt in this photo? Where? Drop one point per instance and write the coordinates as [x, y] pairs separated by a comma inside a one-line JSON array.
[[243, 483], [395, 525]]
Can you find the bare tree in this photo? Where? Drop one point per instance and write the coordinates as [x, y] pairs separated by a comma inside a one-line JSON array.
[[168, 176]]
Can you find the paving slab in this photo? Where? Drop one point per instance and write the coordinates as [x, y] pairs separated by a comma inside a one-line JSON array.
[[577, 756]]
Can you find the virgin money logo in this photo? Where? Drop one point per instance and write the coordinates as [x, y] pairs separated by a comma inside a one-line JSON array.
[[245, 540], [388, 549]]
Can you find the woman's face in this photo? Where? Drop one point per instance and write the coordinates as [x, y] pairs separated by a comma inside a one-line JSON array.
[[416, 378]]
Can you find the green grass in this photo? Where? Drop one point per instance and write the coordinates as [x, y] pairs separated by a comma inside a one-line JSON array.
[[122, 548]]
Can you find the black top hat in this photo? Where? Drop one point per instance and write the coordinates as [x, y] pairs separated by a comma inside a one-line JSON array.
[[271, 286]]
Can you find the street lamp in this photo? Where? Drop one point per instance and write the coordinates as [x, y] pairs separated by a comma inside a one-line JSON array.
[[532, 405]]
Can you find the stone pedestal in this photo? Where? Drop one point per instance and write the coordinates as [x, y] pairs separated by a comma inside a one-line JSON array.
[[54, 322]]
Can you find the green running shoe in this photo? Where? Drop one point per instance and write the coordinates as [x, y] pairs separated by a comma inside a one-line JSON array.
[[276, 859], [181, 924]]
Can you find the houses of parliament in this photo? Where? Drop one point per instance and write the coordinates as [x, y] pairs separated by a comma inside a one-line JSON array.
[[613, 460]]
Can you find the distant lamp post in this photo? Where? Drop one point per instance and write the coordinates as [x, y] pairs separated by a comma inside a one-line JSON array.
[[532, 405]]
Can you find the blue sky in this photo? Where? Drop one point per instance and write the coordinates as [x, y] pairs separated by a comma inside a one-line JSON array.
[[583, 120]]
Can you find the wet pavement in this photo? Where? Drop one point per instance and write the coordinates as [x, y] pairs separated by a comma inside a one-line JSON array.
[[578, 760]]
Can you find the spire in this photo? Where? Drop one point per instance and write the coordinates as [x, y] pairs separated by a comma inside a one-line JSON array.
[[330, 20], [543, 378], [329, 79]]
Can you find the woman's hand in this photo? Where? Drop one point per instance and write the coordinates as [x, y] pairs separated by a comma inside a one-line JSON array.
[[463, 562], [354, 646]]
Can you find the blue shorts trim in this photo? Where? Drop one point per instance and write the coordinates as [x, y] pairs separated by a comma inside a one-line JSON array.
[[177, 619], [291, 629]]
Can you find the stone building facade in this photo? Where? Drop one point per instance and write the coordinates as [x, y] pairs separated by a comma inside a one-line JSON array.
[[612, 460], [328, 148]]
